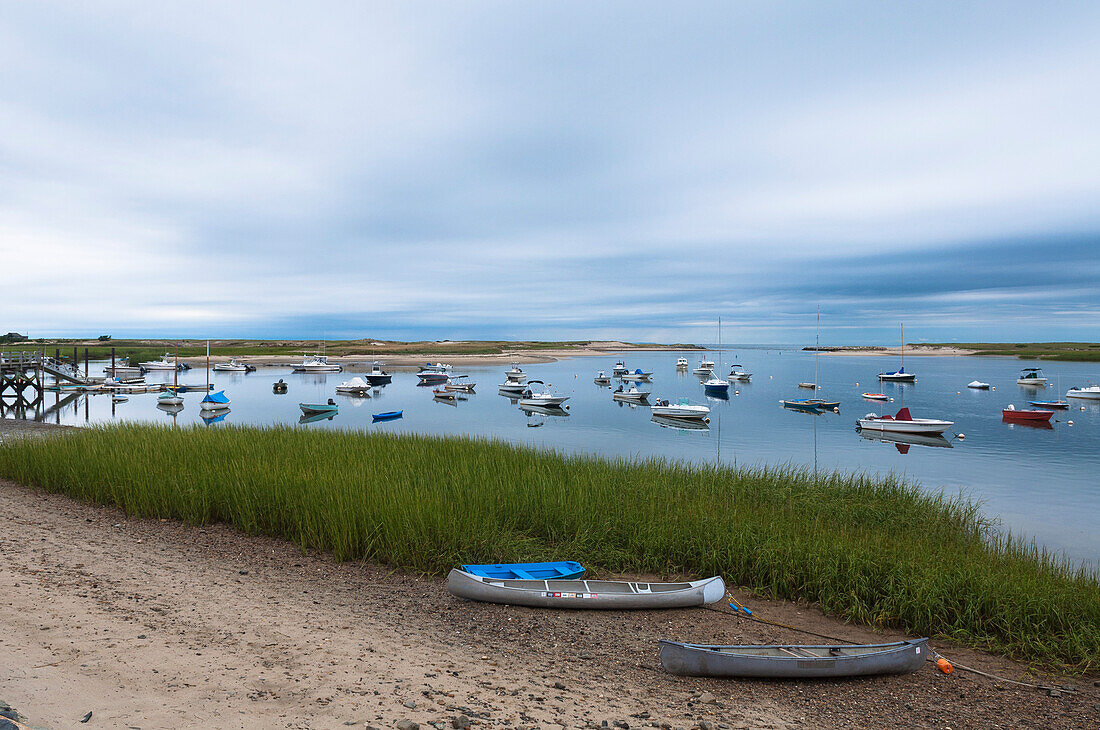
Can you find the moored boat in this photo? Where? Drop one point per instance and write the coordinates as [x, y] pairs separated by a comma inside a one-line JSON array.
[[165, 363], [233, 366], [630, 394], [899, 375], [903, 422], [557, 570], [1059, 404], [512, 388], [541, 396], [683, 409], [978, 385], [638, 376], [875, 396], [792, 661], [1011, 414], [460, 383], [312, 408], [215, 401], [515, 373], [738, 373], [601, 379], [378, 376], [356, 386], [1031, 376], [317, 364], [620, 368], [1091, 392], [589, 594], [387, 416], [706, 367], [681, 363]]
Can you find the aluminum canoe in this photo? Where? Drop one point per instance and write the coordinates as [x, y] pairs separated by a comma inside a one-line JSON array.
[[793, 661], [591, 594]]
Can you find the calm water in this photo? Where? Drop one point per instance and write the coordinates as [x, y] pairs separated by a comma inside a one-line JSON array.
[[1041, 482]]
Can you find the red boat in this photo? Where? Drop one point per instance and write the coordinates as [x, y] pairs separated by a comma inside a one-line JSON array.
[[1011, 414]]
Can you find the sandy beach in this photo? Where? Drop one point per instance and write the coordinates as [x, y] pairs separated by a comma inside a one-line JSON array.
[[917, 351], [157, 624]]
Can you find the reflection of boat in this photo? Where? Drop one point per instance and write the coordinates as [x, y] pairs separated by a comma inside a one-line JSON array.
[[903, 422], [515, 373], [119, 399], [1011, 414], [378, 376], [683, 424], [589, 594], [793, 661], [638, 376], [1037, 424], [312, 408], [899, 375], [315, 417], [601, 379], [906, 439], [683, 409], [541, 397], [356, 386], [387, 416], [317, 364], [630, 394], [1091, 392], [543, 410], [212, 417], [233, 366], [978, 385], [172, 409], [1031, 376]]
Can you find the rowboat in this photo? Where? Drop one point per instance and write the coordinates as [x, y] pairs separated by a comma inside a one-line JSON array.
[[793, 661], [683, 409], [607, 594], [1011, 414], [875, 396], [1060, 404], [445, 395], [387, 416], [978, 385], [311, 408], [903, 422], [808, 386], [804, 404], [558, 570], [1092, 392], [1031, 376]]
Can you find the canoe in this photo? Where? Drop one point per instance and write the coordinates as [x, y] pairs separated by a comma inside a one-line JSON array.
[[561, 570], [387, 416], [793, 661], [594, 594], [311, 408], [1049, 403]]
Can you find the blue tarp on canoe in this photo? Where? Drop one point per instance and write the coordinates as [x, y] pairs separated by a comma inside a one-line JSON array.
[[218, 397]]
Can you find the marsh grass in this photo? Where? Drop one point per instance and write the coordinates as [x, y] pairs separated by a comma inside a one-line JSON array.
[[873, 550]]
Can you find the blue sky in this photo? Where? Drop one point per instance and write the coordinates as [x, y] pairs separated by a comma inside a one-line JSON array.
[[551, 170]]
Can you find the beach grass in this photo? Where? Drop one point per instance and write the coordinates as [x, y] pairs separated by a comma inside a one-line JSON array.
[[1057, 351], [870, 549]]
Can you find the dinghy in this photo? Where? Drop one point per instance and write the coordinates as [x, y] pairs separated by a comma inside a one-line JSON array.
[[1060, 404], [559, 570], [793, 661], [875, 396], [1011, 414], [310, 409], [387, 416], [606, 594]]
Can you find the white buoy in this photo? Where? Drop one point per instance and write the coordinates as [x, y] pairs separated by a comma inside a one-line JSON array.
[[737, 392], [962, 436], [993, 388], [836, 410], [1069, 422], [857, 385], [958, 392], [1082, 408], [891, 400]]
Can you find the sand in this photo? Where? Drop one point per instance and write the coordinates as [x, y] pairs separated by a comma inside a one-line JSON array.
[[917, 351], [157, 624]]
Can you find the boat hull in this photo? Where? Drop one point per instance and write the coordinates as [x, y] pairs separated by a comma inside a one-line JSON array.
[[898, 377], [793, 662], [917, 425], [680, 412], [1083, 393], [1008, 415], [388, 416], [585, 594], [557, 570]]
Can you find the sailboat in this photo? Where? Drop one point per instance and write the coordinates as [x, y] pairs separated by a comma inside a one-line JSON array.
[[171, 396], [213, 401], [715, 385], [900, 376]]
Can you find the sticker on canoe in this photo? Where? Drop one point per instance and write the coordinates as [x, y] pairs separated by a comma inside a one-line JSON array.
[[571, 595]]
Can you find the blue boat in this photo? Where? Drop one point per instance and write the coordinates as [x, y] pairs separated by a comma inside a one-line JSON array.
[[561, 570], [387, 416], [1049, 403]]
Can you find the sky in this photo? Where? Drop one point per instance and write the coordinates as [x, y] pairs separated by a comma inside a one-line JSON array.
[[551, 170]]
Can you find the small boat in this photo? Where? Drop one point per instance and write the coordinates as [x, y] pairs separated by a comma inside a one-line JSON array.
[[215, 401], [681, 363], [122, 371], [445, 395], [1011, 414], [387, 416], [312, 408], [716, 386], [1059, 404], [1031, 376], [512, 388], [165, 363], [773, 661], [591, 594], [234, 366], [631, 394], [356, 386], [279, 387], [804, 404], [541, 397], [875, 396], [560, 570], [119, 399], [1091, 392], [706, 367], [317, 364], [638, 376], [829, 405], [430, 374], [601, 379], [515, 373], [171, 397], [738, 373], [620, 368], [460, 384], [378, 376], [683, 409], [903, 422], [978, 385], [899, 375], [809, 386]]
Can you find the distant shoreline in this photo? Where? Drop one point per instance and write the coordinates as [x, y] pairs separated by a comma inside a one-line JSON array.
[[1060, 351]]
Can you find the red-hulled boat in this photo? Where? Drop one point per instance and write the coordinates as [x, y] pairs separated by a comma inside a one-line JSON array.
[[1011, 414]]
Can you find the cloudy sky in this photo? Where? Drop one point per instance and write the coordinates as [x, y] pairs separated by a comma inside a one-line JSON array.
[[551, 170]]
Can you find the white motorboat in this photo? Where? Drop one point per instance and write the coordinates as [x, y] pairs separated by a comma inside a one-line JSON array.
[[978, 385], [515, 373], [638, 376], [541, 396], [620, 368], [681, 363], [355, 386], [317, 364], [164, 363], [459, 383], [1091, 392], [631, 394], [903, 422], [233, 366], [512, 388], [683, 409], [738, 373], [706, 367], [1031, 376], [601, 379]]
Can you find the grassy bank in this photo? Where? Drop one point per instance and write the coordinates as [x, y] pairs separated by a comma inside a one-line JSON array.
[[1063, 351], [872, 550]]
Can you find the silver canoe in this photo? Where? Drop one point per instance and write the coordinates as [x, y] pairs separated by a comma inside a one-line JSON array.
[[585, 593], [793, 661]]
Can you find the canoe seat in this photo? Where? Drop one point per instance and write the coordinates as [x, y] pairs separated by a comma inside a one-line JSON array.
[[524, 574]]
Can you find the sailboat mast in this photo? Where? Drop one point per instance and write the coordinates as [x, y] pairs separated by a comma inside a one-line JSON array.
[[902, 345], [176, 375], [817, 347], [208, 366]]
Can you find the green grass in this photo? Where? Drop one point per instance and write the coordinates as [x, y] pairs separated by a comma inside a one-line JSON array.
[[1060, 351], [874, 550]]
